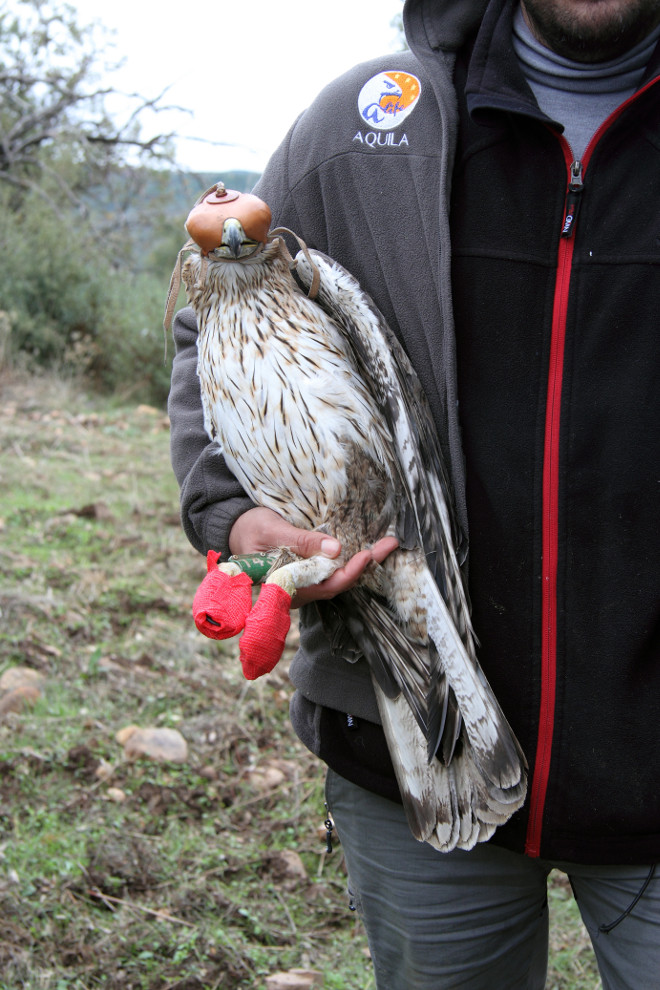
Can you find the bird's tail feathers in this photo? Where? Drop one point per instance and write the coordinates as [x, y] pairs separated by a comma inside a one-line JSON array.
[[459, 767], [396, 664], [450, 807], [495, 749], [444, 716]]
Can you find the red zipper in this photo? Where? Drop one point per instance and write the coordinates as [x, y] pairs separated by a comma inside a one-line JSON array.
[[550, 528], [551, 524]]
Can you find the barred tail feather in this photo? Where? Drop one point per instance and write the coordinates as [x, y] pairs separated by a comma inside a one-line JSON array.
[[428, 798], [495, 749], [450, 807]]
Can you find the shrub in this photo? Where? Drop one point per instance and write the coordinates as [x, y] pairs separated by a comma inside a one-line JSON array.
[[72, 307]]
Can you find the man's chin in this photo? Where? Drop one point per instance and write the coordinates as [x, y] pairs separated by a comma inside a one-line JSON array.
[[591, 30]]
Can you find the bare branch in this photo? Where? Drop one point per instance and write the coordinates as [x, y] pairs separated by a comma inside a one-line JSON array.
[[51, 106]]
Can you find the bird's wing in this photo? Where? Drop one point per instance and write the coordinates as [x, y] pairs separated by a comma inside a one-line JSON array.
[[447, 685], [427, 517]]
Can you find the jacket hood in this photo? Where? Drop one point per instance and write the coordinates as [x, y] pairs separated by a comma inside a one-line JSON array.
[[433, 25]]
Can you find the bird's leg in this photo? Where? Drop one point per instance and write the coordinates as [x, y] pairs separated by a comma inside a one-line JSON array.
[[267, 625], [302, 572], [222, 606], [230, 568]]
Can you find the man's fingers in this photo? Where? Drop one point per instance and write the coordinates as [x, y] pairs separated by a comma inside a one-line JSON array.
[[307, 543], [261, 529], [348, 575], [383, 548], [342, 579]]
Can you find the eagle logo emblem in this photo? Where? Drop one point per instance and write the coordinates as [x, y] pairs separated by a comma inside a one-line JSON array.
[[388, 98]]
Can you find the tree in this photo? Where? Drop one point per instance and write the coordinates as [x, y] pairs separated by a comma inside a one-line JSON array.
[[54, 121], [76, 294]]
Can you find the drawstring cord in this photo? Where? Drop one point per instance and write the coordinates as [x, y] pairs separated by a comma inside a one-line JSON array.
[[175, 285], [606, 929], [312, 292]]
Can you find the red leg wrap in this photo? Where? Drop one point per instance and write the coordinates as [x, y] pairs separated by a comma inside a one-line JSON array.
[[262, 643], [222, 602]]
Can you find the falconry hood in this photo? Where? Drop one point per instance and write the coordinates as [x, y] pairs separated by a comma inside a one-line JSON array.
[[228, 224]]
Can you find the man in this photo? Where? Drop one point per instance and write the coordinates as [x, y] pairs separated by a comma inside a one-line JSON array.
[[496, 192]]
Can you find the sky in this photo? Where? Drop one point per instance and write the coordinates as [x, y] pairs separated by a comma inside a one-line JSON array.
[[242, 69]]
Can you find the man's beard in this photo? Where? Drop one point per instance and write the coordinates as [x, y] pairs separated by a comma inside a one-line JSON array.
[[591, 30]]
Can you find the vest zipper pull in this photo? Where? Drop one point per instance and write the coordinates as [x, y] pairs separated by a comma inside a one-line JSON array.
[[573, 195]]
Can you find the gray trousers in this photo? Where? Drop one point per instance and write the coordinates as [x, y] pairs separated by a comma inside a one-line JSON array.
[[478, 920]]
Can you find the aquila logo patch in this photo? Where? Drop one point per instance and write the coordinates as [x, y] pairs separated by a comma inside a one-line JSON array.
[[388, 98]]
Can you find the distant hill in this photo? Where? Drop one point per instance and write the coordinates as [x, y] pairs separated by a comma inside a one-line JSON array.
[[187, 186], [130, 190], [151, 206]]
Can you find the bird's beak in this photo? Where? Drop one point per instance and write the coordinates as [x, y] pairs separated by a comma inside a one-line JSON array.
[[233, 236], [235, 244]]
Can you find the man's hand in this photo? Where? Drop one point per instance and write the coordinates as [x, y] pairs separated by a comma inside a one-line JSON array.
[[261, 529]]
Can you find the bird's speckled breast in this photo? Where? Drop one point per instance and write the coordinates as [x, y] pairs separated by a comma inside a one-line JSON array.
[[279, 394]]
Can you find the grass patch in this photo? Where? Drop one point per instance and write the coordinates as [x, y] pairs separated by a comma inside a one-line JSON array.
[[138, 875]]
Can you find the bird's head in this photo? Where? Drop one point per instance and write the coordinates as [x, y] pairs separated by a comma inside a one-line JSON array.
[[228, 225]]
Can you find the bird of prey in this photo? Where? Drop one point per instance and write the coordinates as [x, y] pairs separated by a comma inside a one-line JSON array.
[[319, 415]]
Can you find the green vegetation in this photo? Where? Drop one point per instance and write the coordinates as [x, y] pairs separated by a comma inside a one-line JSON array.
[[91, 307], [140, 875]]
